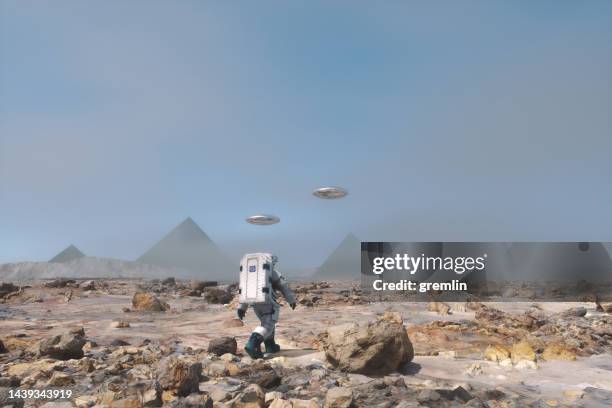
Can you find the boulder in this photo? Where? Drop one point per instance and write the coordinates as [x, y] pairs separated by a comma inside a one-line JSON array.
[[338, 397], [223, 345], [147, 302], [606, 307], [379, 347], [65, 346], [182, 377], [522, 351]]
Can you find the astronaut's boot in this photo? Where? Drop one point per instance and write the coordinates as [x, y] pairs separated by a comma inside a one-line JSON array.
[[271, 346], [253, 346]]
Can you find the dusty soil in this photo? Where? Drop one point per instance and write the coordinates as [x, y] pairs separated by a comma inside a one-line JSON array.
[[449, 349]]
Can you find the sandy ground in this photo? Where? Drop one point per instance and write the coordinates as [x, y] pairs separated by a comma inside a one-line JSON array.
[[193, 323]]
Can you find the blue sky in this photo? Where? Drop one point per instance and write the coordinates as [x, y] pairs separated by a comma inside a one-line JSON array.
[[445, 120]]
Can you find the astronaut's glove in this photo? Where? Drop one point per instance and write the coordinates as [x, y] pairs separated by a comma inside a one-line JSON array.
[[241, 313], [293, 305]]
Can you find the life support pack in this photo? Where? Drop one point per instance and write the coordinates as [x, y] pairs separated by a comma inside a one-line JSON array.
[[255, 283]]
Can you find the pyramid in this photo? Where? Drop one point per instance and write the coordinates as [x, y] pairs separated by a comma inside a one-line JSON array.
[[187, 247], [344, 262], [67, 254]]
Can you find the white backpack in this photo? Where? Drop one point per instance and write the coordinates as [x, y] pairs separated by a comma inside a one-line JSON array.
[[255, 285]]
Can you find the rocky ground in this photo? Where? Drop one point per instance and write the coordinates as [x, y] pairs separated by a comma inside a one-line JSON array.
[[135, 343]]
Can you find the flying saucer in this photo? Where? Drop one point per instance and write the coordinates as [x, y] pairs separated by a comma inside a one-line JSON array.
[[263, 219], [330, 193]]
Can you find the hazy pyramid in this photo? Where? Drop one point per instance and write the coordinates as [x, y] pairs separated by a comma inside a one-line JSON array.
[[187, 247], [68, 254], [344, 262]]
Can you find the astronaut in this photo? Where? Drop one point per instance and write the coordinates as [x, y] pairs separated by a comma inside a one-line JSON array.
[[267, 313]]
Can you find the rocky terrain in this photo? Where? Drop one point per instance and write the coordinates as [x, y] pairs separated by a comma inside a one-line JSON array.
[[150, 343]]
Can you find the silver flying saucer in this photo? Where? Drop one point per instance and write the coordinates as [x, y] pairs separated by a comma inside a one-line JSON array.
[[330, 193], [263, 219]]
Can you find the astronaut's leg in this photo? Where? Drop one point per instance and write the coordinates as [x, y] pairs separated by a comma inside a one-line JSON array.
[[271, 346], [266, 315]]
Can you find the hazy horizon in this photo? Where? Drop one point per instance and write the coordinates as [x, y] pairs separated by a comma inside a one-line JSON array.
[[449, 121]]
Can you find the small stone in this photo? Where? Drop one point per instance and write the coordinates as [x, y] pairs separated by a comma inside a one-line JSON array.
[[280, 403], [179, 376], [121, 324], [522, 351], [440, 308], [338, 397], [270, 396], [223, 345], [233, 323], [428, 395], [496, 353], [573, 394], [251, 397], [64, 347], [558, 352], [59, 379], [474, 369], [526, 365]]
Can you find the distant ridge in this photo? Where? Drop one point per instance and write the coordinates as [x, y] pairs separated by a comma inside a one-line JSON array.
[[344, 261], [188, 247], [67, 255]]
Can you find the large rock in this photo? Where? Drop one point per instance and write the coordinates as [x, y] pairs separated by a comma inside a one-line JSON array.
[[147, 302], [338, 397], [65, 346], [179, 376], [379, 347], [223, 345]]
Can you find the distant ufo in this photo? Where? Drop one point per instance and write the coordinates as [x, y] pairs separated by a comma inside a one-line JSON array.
[[263, 219], [330, 193]]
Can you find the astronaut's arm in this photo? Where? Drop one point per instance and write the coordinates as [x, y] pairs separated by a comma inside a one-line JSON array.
[[281, 284]]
